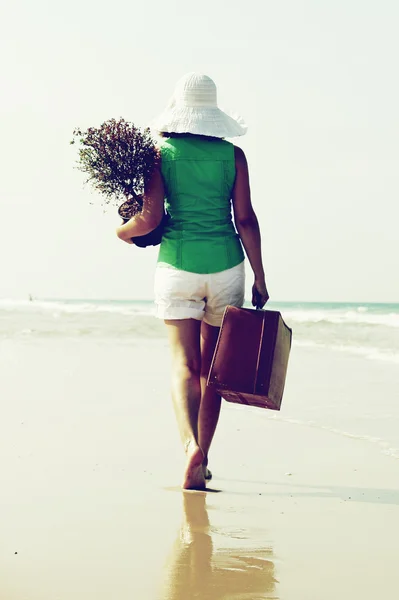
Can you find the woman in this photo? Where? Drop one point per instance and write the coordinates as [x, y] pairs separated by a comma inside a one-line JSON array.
[[201, 261]]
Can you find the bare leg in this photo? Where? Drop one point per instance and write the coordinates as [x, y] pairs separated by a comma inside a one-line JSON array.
[[184, 340], [210, 400]]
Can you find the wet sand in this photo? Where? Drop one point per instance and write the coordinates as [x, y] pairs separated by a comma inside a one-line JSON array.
[[91, 506]]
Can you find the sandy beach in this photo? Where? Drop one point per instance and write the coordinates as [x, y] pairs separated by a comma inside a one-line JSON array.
[[91, 506]]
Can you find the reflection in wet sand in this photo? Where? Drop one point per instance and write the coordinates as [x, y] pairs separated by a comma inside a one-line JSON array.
[[197, 568]]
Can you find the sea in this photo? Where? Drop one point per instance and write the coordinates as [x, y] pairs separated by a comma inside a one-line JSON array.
[[353, 389]]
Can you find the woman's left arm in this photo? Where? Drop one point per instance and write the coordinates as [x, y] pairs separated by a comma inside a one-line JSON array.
[[153, 209]]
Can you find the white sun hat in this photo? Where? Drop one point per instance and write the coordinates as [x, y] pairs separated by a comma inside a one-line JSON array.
[[193, 109]]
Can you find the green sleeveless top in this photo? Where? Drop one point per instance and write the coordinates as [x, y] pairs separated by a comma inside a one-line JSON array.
[[199, 177]]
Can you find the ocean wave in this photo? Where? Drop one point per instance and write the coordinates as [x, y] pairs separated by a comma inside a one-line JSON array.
[[383, 445], [349, 317], [371, 353], [329, 315], [325, 327], [78, 307]]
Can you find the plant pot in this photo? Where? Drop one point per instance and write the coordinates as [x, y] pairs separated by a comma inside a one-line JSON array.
[[130, 208], [154, 237]]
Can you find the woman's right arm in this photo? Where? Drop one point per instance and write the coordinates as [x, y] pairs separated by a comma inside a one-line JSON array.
[[248, 227]]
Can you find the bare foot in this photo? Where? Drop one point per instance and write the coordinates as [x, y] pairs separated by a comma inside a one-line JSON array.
[[194, 474], [207, 473]]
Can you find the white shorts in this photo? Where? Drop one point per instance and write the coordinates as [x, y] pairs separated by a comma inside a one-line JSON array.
[[184, 295]]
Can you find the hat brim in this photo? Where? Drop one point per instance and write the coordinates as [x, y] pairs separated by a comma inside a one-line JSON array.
[[199, 121]]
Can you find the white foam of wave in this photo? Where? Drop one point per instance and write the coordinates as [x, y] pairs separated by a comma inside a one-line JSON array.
[[59, 307], [383, 446], [349, 317], [359, 316], [370, 353]]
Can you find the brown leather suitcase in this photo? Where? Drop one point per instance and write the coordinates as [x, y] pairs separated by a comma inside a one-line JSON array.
[[251, 357]]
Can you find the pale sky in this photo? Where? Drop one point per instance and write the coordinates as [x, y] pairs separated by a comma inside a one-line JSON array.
[[315, 80]]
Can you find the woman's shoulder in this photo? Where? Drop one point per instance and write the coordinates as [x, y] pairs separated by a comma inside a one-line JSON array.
[[170, 150], [239, 155]]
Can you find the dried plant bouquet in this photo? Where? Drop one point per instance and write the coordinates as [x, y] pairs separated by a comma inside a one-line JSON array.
[[118, 159]]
